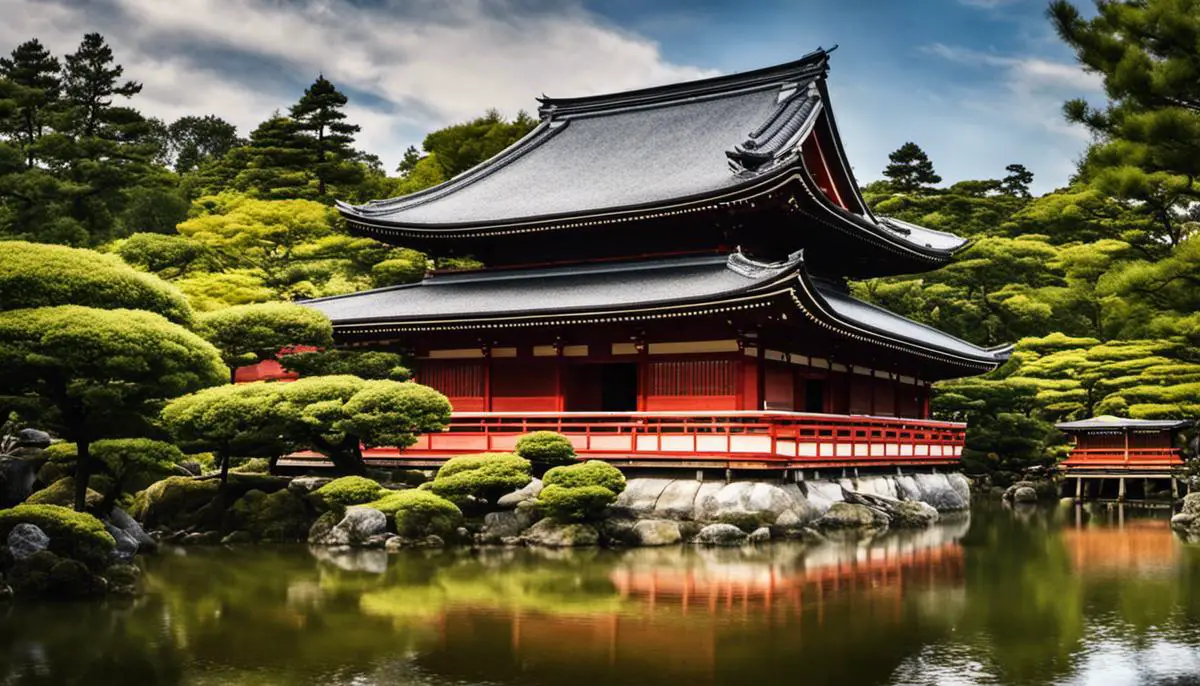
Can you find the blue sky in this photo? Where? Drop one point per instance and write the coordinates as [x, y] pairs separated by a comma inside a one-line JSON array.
[[977, 83]]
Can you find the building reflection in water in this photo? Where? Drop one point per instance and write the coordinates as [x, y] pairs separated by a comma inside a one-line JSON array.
[[1114, 541]]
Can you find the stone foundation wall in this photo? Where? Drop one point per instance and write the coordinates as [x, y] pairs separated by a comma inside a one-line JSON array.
[[787, 505]]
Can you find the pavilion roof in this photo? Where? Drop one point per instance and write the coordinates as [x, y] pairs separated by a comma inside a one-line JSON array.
[[681, 148], [1109, 422], [637, 290]]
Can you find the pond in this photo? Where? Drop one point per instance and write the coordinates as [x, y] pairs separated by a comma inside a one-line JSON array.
[[1015, 597]]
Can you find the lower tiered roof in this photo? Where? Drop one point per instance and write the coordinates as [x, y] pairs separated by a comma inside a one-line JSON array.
[[639, 290]]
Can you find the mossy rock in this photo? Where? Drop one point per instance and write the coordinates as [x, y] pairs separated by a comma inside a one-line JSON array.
[[51, 472], [278, 516], [30, 577], [72, 580], [74, 535], [746, 521], [420, 513], [174, 503], [254, 465], [62, 493], [347, 491], [325, 524], [123, 579]]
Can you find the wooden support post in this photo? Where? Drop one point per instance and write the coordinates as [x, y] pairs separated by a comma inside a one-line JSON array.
[[1125, 433], [1078, 489], [1146, 489], [1174, 489], [1121, 490]]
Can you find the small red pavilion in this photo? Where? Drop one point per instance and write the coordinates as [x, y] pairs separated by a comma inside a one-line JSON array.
[[666, 284], [1110, 451]]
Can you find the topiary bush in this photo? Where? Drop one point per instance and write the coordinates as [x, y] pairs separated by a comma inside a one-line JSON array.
[[580, 492], [546, 447], [348, 490], [485, 476], [420, 513], [590, 473], [579, 504], [75, 535]]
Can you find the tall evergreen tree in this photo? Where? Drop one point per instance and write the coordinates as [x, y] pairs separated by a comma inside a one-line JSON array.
[[910, 169], [91, 80], [319, 115], [277, 163], [1018, 180], [35, 73], [191, 141]]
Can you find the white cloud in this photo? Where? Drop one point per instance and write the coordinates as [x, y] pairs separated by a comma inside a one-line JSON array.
[[431, 63]]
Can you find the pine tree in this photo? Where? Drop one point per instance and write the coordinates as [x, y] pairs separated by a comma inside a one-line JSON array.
[[910, 169], [90, 82], [277, 163], [35, 73], [1018, 180], [319, 115]]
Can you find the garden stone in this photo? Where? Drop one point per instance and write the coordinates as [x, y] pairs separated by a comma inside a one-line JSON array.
[[525, 493], [1024, 494], [303, 485], [17, 476], [641, 495], [760, 535], [357, 525], [33, 438], [237, 537], [376, 541], [1191, 504], [201, 538], [845, 515], [512, 541], [720, 535], [552, 534], [431, 541], [126, 547], [913, 514], [395, 544], [678, 499], [499, 525], [653, 532], [26, 539], [121, 519]]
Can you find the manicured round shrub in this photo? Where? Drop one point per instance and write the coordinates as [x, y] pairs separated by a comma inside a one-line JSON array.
[[75, 535], [590, 473], [420, 513], [485, 476], [348, 490], [546, 447], [581, 503]]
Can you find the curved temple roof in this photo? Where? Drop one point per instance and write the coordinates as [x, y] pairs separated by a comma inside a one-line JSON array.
[[628, 291], [1107, 422], [660, 151]]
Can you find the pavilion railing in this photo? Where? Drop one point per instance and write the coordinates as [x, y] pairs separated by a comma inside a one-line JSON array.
[[782, 437], [1097, 457]]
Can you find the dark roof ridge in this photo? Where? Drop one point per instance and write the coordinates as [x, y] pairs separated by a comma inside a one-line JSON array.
[[814, 64]]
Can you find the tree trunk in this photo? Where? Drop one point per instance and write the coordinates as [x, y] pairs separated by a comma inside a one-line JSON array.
[[83, 472], [224, 457]]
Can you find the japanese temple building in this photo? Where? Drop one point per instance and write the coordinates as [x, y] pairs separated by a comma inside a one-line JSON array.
[[666, 283], [1119, 458]]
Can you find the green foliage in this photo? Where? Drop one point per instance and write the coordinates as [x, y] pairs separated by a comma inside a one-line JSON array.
[[319, 116], [174, 503], [462, 146], [369, 364], [576, 504], [590, 473], [278, 516], [485, 476], [420, 513], [39, 275], [349, 490], [580, 492], [546, 447], [75, 535], [248, 334], [129, 464]]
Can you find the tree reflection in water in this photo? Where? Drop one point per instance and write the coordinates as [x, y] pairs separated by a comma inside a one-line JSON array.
[[1015, 597]]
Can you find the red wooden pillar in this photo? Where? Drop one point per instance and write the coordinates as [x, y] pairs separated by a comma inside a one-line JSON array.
[[643, 375], [760, 381], [560, 401], [487, 377]]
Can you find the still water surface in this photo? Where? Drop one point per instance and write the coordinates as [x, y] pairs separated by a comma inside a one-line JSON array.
[[1011, 597]]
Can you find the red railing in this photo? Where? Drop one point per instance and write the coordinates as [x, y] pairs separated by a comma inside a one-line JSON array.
[[1130, 458], [763, 440]]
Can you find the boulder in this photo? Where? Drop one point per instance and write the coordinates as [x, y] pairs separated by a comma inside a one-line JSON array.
[[1191, 504], [759, 535], [395, 544], [641, 495], [356, 526], [1024, 494], [201, 538], [26, 539], [17, 476], [617, 530], [937, 491], [280, 516], [525, 493], [845, 515], [121, 519], [653, 532], [913, 514], [720, 535], [122, 579], [127, 546], [961, 485], [33, 438], [551, 534], [72, 580], [678, 499], [499, 525], [431, 541], [237, 537], [303, 485]]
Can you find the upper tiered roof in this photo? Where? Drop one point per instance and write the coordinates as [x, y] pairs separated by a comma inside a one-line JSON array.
[[1110, 423], [741, 143]]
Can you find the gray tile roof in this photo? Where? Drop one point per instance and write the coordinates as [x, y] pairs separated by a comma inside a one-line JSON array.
[[1106, 421], [650, 151], [506, 296]]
